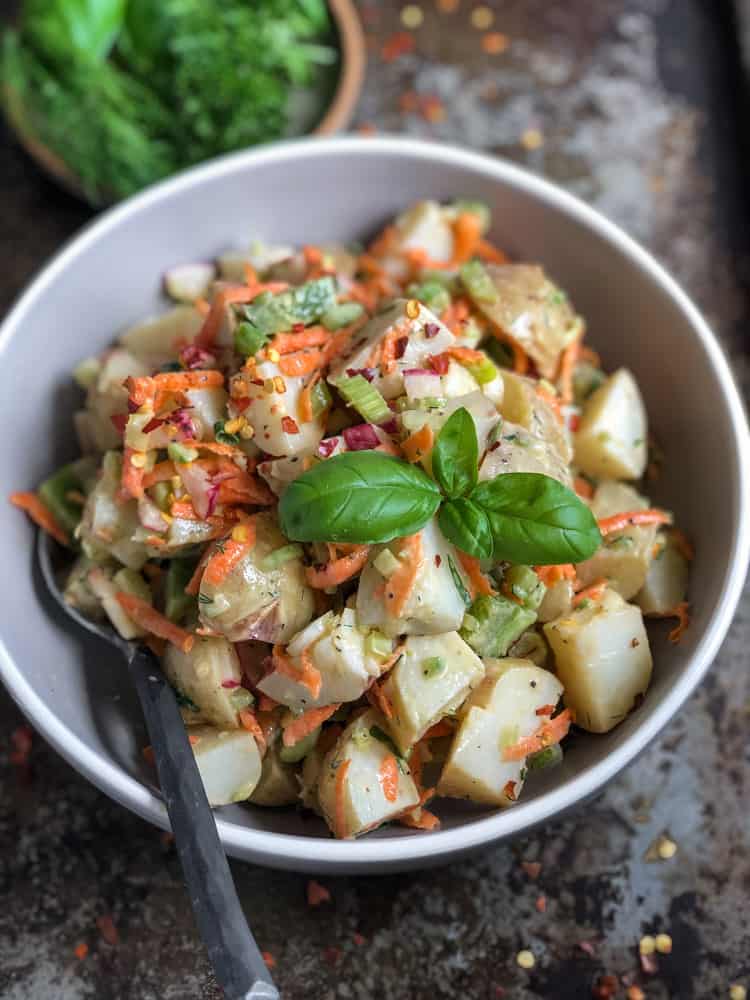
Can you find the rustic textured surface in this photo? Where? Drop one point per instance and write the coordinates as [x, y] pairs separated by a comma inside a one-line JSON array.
[[631, 100]]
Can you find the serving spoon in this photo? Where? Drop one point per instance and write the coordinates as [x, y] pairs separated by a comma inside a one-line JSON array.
[[234, 955]]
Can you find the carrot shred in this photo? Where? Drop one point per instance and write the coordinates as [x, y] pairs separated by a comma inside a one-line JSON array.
[[388, 355], [466, 355], [268, 959], [520, 358], [554, 402], [583, 487], [455, 316], [550, 732], [380, 700], [203, 306], [339, 824], [419, 819], [226, 556], [682, 613], [337, 571], [132, 476], [683, 544], [290, 343], [234, 294], [384, 242], [550, 575], [489, 252], [595, 592], [479, 582], [251, 275], [401, 582], [143, 388], [304, 406], [266, 703], [467, 232], [249, 723], [40, 514], [588, 354], [619, 522], [160, 473], [567, 365], [418, 444], [388, 777], [306, 723], [309, 675], [151, 620], [301, 363]]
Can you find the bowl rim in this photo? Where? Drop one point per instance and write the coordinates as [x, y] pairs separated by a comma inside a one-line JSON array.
[[291, 850]]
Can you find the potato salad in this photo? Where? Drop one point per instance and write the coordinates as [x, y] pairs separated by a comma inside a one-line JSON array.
[[382, 515]]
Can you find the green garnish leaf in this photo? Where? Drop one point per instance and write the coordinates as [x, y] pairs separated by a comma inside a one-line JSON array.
[[361, 496], [455, 455], [341, 314], [536, 520], [305, 304], [467, 526], [222, 436], [248, 339], [82, 27]]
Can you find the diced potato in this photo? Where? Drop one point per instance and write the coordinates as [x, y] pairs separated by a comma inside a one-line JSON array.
[[624, 558], [498, 713], [254, 602], [531, 646], [229, 763], [207, 407], [481, 409], [426, 226], [611, 440], [431, 679], [274, 413], [78, 593], [312, 767], [434, 604], [516, 450], [457, 381], [418, 349], [101, 583], [533, 311], [210, 676], [362, 800], [667, 579], [189, 282], [107, 396], [603, 659], [259, 256], [158, 340], [557, 601], [107, 525], [278, 785], [340, 649], [522, 404]]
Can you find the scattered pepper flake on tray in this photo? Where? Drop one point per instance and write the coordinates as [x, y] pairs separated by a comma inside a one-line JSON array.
[[532, 869], [635, 993], [495, 42], [541, 904], [532, 138], [317, 893], [107, 928], [663, 944], [268, 959], [81, 951], [482, 18], [400, 44]]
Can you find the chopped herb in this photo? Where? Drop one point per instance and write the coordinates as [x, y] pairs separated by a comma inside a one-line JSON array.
[[464, 593], [205, 599], [221, 435], [434, 666], [184, 702]]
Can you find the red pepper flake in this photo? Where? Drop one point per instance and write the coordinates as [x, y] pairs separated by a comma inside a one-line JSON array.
[[317, 893], [119, 420], [606, 987], [359, 939], [268, 959], [298, 327], [399, 44], [574, 422], [241, 404], [107, 929], [587, 948], [230, 684], [532, 868], [289, 425], [257, 381], [153, 424], [431, 330], [332, 954], [545, 710], [193, 739], [439, 363], [541, 904], [400, 346], [21, 738], [509, 790], [438, 560], [81, 951]]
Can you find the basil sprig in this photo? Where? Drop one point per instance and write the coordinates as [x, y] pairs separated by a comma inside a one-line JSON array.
[[369, 497]]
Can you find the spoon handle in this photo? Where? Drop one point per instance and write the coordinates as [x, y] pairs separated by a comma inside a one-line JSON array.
[[238, 965]]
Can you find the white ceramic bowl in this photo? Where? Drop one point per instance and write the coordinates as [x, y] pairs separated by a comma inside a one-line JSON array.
[[76, 693]]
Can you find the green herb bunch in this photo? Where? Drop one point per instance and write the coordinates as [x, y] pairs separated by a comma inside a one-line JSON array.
[[126, 92], [369, 497]]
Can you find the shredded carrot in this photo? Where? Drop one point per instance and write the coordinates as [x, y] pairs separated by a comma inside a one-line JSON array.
[[160, 473], [251, 275], [338, 570], [151, 620], [466, 355], [550, 732], [385, 242], [619, 522], [304, 406], [388, 777], [682, 613], [492, 254], [313, 261], [588, 354], [380, 700], [401, 582], [683, 544], [545, 710], [143, 388], [289, 343], [594, 592], [81, 951], [418, 444], [301, 363], [339, 825], [203, 306], [306, 723], [419, 819], [467, 232], [520, 358], [479, 582], [340, 340], [249, 723], [132, 475], [308, 675], [583, 487], [550, 575], [566, 368], [40, 514], [390, 345], [229, 553], [234, 294], [455, 316]]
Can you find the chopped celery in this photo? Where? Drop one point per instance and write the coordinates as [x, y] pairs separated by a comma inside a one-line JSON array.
[[320, 398], [483, 371], [280, 556], [180, 453], [364, 398], [300, 749], [304, 304], [176, 602], [55, 494], [495, 624], [379, 645], [341, 314], [132, 583], [248, 340], [478, 283], [549, 757], [524, 584], [431, 293]]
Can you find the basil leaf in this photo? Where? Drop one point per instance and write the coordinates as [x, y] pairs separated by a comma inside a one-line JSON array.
[[359, 496], [536, 520], [467, 526], [455, 455], [459, 583]]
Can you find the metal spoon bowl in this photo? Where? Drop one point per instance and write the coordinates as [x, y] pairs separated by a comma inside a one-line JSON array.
[[237, 962]]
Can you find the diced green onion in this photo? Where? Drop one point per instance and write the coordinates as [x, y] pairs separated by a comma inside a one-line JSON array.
[[222, 436], [386, 563], [379, 645], [248, 339], [87, 372], [320, 398], [478, 283], [180, 453], [364, 398], [341, 314], [240, 698], [433, 402], [549, 757], [176, 602], [459, 584], [483, 371], [54, 494], [280, 556], [433, 666], [300, 749]]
